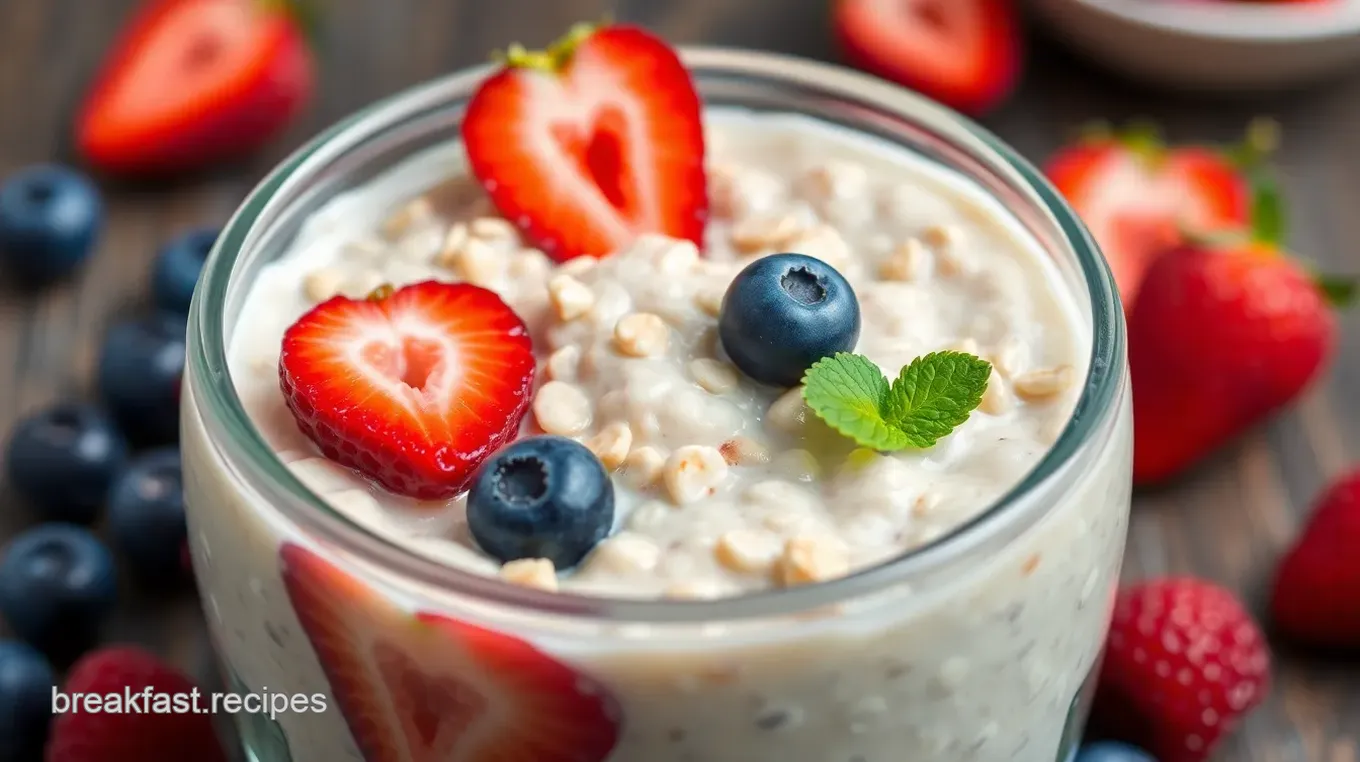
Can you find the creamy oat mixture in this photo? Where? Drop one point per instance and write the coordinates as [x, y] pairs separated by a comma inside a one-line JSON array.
[[723, 485]]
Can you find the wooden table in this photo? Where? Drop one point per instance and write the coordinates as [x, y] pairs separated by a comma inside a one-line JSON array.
[[1228, 521]]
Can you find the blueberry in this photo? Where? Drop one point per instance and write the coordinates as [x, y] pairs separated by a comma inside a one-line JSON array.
[[57, 585], [785, 312], [63, 460], [50, 218], [177, 266], [541, 497], [26, 683], [139, 372], [146, 515], [1111, 751]]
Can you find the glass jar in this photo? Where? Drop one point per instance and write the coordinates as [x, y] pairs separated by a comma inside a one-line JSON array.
[[979, 646]]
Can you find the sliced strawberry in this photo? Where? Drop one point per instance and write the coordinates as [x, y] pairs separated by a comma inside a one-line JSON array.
[[427, 688], [963, 53], [1138, 198], [592, 142], [191, 82], [413, 388]]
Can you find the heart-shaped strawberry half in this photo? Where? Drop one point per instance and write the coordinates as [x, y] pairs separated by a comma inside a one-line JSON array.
[[428, 688], [413, 387], [592, 142]]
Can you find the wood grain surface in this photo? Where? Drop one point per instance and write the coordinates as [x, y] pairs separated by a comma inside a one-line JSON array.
[[1228, 521]]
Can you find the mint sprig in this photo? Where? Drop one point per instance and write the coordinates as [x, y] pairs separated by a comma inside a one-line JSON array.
[[931, 397]]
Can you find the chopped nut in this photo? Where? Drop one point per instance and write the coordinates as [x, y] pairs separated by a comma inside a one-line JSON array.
[[942, 236], [625, 553], [798, 465], [493, 229], [812, 558], [715, 376], [537, 573], [822, 242], [530, 263], [789, 412], [361, 284], [1039, 385], [835, 179], [678, 257], [641, 334], [996, 400], [611, 445], [1006, 358], [746, 552], [643, 467], [710, 299], [907, 262], [765, 233], [402, 220], [578, 266], [562, 408], [563, 363], [320, 285], [744, 451], [966, 345], [693, 473], [453, 241], [570, 297], [475, 261]]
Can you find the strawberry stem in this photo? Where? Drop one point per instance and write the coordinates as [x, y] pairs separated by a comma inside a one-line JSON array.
[[1261, 141], [555, 57], [304, 13], [381, 292], [1267, 211], [1339, 290]]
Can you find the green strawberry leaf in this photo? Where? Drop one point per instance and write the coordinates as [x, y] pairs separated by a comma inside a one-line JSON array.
[[1340, 290], [1267, 211]]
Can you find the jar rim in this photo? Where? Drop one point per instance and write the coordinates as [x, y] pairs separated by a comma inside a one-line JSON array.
[[240, 444]]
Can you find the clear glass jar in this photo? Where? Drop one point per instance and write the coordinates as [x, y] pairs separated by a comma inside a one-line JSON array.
[[980, 646]]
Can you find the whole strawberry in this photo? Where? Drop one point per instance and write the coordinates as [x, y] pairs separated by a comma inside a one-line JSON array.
[[1316, 596], [132, 734], [1183, 663], [1223, 334]]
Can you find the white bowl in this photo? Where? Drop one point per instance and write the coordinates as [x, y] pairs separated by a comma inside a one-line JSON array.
[[1203, 45]]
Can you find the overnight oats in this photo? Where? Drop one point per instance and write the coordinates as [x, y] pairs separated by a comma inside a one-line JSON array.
[[544, 414]]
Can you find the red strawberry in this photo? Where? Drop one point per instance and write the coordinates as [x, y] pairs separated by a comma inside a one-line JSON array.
[[1137, 196], [192, 82], [963, 53], [591, 142], [414, 387], [1223, 335], [427, 688], [148, 730], [1183, 663], [1316, 596]]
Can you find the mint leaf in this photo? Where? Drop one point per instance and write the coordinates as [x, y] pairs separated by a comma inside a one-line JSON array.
[[930, 398], [848, 392], [935, 394]]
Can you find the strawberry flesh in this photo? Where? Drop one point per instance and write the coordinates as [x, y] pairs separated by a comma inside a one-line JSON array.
[[428, 688], [592, 144], [413, 388], [192, 82], [1315, 599], [1183, 663], [963, 53]]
